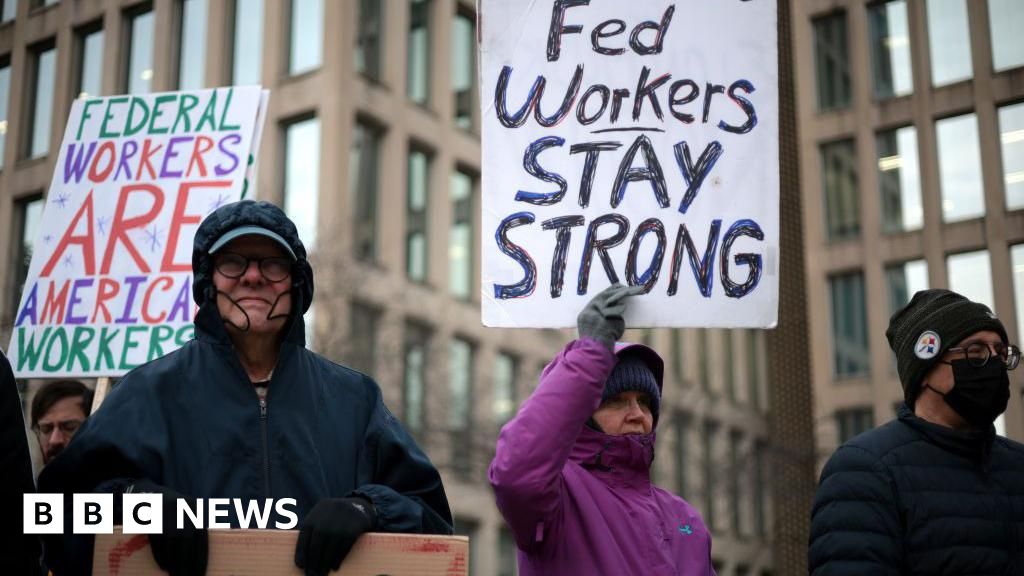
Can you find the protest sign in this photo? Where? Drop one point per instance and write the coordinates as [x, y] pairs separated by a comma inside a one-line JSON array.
[[271, 553], [110, 282], [631, 142]]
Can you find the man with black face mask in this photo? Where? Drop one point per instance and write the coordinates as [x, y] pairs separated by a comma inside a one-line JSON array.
[[936, 491]]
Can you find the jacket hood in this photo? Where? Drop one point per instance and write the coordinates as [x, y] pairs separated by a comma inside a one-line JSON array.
[[249, 213]]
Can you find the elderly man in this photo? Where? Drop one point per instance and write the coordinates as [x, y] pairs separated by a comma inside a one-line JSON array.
[[58, 409], [246, 411], [572, 469], [935, 492]]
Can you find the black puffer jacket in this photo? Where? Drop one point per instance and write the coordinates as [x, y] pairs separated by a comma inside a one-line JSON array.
[[915, 498]]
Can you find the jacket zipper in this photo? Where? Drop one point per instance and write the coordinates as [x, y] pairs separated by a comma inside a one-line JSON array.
[[266, 456]]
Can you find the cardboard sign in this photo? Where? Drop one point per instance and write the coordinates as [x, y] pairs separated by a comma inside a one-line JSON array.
[[271, 553], [110, 282], [630, 142]]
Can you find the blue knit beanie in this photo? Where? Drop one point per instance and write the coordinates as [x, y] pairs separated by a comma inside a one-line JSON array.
[[633, 374]]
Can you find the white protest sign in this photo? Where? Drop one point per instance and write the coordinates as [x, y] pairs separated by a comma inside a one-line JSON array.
[[634, 142], [110, 282]]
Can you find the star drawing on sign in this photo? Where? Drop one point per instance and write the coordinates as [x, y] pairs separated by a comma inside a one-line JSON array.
[[47, 238], [153, 237], [61, 199], [102, 222], [68, 261], [221, 200]]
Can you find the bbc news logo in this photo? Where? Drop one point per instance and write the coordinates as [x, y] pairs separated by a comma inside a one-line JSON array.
[[144, 513]]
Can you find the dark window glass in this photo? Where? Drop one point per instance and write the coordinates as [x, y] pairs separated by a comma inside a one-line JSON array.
[[854, 421], [899, 180], [28, 213], [363, 324], [414, 381], [464, 68], [418, 65], [417, 219], [890, 49], [42, 67], [364, 174], [369, 38], [839, 180], [849, 326], [832, 61]]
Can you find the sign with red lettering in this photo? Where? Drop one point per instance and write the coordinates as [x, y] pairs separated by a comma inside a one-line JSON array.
[[632, 143], [110, 282]]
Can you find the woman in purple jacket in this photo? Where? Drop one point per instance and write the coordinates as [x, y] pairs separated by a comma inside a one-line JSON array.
[[572, 469]]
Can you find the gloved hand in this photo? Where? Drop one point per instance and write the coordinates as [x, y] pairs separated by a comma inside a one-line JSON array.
[[329, 531], [601, 319], [178, 552]]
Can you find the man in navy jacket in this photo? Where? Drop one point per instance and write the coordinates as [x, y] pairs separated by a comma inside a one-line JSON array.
[[244, 410]]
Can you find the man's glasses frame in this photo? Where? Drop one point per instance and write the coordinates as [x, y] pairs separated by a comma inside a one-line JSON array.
[[272, 268], [978, 354]]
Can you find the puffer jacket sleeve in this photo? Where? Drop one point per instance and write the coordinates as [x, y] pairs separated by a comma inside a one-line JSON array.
[[855, 522], [399, 479], [533, 447]]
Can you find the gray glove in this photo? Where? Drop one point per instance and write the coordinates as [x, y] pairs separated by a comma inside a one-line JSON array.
[[601, 319]]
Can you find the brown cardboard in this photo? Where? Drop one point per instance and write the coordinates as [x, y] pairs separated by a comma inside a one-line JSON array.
[[272, 553]]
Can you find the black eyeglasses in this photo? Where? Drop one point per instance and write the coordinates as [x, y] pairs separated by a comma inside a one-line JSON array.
[[233, 265], [978, 354], [67, 427]]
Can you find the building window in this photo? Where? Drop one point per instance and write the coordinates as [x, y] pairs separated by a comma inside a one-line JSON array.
[[1005, 17], [89, 81], [708, 441], [899, 180], [368, 38], [506, 553], [903, 281], [464, 68], [42, 70], [1017, 263], [9, 10], [1011, 137], [460, 404], [460, 236], [506, 367], [363, 184], [192, 47], [854, 421], [703, 364], [363, 323], [761, 488], [140, 52], [736, 499], [27, 214], [247, 47], [839, 180], [681, 426], [832, 61], [849, 326], [960, 168], [416, 217], [306, 43], [414, 381], [302, 177], [728, 364], [949, 41], [754, 375], [678, 355], [970, 274], [890, 49], [418, 73], [5, 94]]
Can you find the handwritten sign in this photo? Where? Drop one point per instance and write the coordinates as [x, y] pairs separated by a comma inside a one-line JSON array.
[[631, 142], [110, 282]]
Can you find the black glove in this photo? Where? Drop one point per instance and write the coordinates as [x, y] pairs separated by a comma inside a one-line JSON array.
[[329, 531], [178, 552], [601, 319]]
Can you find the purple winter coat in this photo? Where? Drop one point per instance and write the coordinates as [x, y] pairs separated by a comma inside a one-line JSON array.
[[580, 501]]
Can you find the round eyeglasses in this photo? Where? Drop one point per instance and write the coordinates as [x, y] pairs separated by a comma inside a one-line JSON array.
[[233, 265], [977, 354]]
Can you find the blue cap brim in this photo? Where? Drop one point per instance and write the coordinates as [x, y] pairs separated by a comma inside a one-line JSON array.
[[251, 231]]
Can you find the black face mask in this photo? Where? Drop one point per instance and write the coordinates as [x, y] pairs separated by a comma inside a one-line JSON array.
[[980, 394]]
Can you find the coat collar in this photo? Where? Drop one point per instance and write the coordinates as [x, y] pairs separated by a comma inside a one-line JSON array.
[[976, 445], [624, 460]]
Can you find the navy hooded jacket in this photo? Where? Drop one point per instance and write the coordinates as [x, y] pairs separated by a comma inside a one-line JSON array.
[[193, 422]]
